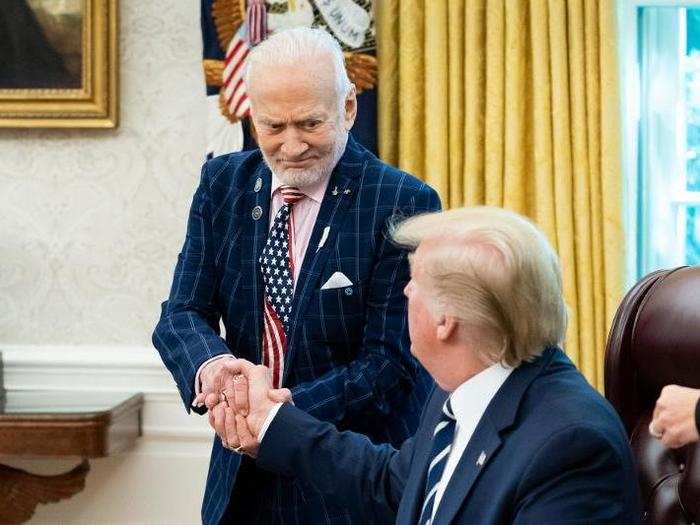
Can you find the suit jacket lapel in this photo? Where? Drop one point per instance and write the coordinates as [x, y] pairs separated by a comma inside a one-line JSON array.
[[256, 204], [340, 194], [486, 440], [482, 446]]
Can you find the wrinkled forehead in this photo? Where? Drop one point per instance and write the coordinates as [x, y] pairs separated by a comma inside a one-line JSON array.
[[290, 88]]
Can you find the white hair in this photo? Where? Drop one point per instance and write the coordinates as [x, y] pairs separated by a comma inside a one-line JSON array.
[[300, 46], [494, 269]]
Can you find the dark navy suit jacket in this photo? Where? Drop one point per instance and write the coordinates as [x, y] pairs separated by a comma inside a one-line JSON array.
[[555, 452], [348, 360]]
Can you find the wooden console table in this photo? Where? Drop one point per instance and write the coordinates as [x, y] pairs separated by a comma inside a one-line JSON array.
[[54, 425]]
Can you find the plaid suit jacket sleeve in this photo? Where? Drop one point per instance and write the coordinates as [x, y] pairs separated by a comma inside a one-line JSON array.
[[383, 373], [188, 331]]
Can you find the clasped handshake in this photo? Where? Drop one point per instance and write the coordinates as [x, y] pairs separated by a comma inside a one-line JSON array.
[[239, 396]]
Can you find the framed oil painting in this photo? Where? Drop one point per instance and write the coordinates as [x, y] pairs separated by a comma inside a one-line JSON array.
[[58, 64]]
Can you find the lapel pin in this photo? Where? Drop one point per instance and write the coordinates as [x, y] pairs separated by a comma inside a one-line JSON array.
[[258, 185], [335, 191], [481, 460], [347, 192], [324, 236], [257, 213]]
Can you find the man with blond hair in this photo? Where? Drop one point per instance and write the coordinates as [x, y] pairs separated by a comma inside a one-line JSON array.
[[513, 433], [287, 246]]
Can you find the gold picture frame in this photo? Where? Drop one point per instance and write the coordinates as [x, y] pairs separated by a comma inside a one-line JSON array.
[[66, 76]]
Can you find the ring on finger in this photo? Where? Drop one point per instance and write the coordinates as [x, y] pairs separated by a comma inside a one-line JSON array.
[[655, 433], [225, 398], [227, 446]]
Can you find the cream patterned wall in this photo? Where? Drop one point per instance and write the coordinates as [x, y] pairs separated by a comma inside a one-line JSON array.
[[91, 220]]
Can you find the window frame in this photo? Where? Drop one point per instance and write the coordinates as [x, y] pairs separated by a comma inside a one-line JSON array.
[[635, 219]]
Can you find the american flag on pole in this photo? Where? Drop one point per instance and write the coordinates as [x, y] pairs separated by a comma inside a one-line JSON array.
[[234, 87], [223, 21]]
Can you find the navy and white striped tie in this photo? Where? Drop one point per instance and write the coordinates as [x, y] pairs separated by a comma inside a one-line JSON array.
[[442, 444]]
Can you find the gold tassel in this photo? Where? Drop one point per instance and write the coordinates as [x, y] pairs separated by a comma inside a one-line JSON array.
[[213, 72], [362, 70], [228, 17]]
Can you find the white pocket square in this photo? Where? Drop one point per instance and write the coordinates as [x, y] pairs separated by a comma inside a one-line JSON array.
[[337, 280]]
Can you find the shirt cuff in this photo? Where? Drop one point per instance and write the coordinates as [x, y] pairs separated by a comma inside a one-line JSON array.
[[197, 381], [266, 424]]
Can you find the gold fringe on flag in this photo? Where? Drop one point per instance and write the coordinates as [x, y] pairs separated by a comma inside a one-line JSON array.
[[228, 16], [233, 119], [362, 70], [213, 72]]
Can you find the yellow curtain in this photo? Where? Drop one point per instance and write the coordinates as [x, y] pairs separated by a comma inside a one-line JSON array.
[[515, 103]]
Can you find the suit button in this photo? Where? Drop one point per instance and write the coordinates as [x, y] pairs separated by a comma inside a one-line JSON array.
[[348, 291]]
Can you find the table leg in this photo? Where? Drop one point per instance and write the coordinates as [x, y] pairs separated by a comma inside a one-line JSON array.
[[21, 492]]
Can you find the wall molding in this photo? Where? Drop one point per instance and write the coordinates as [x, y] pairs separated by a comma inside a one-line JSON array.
[[108, 368], [111, 369]]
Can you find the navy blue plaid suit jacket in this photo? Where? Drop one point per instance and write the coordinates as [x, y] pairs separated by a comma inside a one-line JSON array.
[[348, 359]]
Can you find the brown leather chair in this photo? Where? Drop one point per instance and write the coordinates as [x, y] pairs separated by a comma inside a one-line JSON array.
[[655, 341]]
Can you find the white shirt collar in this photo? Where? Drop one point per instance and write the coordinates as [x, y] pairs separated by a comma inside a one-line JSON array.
[[473, 396]]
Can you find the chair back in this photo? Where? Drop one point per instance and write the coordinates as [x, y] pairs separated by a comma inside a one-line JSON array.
[[655, 341]]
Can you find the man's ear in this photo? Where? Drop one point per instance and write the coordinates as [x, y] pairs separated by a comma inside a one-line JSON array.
[[350, 108], [446, 327]]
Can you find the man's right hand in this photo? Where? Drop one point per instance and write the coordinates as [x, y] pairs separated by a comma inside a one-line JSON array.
[[229, 397], [674, 416], [248, 407], [252, 390]]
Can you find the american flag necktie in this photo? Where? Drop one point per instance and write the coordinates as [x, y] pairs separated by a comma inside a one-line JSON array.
[[277, 266], [442, 444]]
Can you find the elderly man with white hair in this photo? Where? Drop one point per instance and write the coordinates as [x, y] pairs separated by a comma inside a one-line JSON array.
[[513, 433], [287, 245]]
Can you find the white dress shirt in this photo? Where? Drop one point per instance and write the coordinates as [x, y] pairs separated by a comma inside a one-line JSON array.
[[469, 402]]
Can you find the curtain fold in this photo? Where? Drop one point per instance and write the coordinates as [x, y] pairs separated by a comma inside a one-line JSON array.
[[515, 103]]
